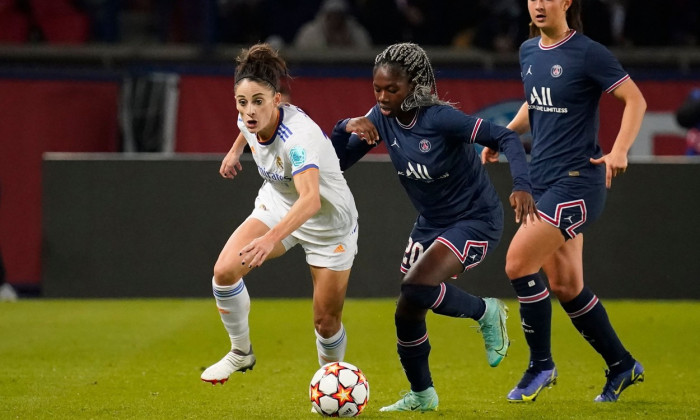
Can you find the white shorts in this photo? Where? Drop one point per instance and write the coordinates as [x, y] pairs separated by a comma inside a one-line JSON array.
[[333, 248]]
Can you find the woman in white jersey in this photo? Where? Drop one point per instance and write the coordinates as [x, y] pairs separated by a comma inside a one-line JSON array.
[[304, 200]]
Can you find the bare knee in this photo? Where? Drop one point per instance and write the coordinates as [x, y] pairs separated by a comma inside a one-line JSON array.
[[511, 270], [327, 324], [565, 292], [419, 275], [411, 278], [565, 280], [225, 275], [516, 268]]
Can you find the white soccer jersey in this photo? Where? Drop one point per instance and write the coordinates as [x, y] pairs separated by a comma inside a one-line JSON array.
[[297, 145]]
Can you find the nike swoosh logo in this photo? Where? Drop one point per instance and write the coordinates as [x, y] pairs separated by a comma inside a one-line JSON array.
[[533, 395], [632, 380], [619, 388]]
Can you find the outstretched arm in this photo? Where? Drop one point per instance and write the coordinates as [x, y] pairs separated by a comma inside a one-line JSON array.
[[352, 138], [635, 106]]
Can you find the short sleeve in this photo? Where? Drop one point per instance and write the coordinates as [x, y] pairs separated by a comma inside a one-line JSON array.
[[604, 68], [303, 151]]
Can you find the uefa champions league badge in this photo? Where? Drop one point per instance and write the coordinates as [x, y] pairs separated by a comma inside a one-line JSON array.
[[298, 156], [424, 146]]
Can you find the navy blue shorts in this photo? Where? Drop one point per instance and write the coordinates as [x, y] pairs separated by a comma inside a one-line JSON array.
[[470, 240], [571, 205]]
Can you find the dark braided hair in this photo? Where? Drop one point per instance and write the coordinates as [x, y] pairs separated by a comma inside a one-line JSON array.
[[413, 60], [262, 64]]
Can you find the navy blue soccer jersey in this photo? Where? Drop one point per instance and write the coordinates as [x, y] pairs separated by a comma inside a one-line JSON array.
[[436, 164], [563, 84]]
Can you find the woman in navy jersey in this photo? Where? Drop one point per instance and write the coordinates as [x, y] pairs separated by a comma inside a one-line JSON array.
[[460, 215], [564, 74]]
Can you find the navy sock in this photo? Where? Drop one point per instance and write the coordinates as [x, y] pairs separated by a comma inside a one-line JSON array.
[[414, 348], [536, 319], [445, 299], [591, 319]]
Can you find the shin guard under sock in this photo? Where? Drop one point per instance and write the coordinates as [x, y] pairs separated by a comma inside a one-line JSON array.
[[536, 318], [591, 320], [414, 348]]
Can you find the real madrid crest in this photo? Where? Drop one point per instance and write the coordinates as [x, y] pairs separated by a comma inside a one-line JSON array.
[[424, 146], [278, 162]]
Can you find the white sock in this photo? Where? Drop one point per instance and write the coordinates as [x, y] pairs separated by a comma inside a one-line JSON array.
[[234, 305], [331, 349]]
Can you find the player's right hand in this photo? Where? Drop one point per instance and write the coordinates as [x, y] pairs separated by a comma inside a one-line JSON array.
[[364, 129], [489, 156], [524, 207], [230, 165]]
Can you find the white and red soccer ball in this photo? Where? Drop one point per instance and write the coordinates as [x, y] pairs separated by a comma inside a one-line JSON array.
[[339, 389]]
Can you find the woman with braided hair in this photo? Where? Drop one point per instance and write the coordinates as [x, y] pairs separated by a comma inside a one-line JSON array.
[[303, 200], [460, 216]]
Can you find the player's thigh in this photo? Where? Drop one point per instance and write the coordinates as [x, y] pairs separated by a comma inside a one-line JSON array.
[[531, 246], [438, 264], [230, 259], [564, 269], [437, 253], [330, 287]]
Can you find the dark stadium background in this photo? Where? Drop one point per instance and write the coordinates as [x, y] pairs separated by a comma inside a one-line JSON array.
[[115, 115]]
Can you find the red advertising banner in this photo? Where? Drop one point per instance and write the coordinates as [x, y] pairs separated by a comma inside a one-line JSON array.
[[43, 116], [82, 116], [207, 114]]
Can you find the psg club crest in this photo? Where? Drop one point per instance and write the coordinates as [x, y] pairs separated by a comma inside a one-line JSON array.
[[424, 146], [556, 70]]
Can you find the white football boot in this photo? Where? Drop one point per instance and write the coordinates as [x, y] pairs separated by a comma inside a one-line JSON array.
[[219, 372]]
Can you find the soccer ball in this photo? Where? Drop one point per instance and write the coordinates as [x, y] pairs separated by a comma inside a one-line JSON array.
[[339, 389]]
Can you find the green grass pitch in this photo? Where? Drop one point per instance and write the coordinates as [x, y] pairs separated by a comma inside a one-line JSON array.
[[141, 359]]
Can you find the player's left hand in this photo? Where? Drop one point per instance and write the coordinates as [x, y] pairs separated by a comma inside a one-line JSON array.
[[524, 206], [255, 253], [615, 164]]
